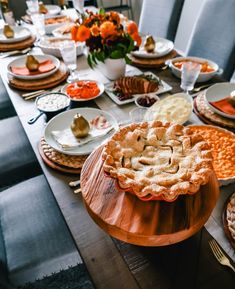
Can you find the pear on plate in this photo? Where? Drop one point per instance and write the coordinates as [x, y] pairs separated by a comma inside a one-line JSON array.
[[80, 126], [32, 63], [149, 44], [42, 8], [232, 98], [8, 31]]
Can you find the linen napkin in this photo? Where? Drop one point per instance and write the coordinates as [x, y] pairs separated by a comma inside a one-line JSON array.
[[224, 106]]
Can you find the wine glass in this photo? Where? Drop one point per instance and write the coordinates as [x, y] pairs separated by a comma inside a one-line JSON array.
[[189, 74], [68, 52]]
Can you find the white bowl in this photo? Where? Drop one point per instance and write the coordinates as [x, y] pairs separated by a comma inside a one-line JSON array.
[[50, 27], [52, 10], [20, 61], [148, 95], [203, 76], [51, 45], [217, 92]]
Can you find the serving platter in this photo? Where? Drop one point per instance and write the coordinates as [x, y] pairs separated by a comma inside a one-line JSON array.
[[163, 87], [20, 34], [52, 10], [153, 223]]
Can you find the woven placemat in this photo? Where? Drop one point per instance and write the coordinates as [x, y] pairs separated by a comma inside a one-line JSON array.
[[30, 85], [203, 109], [74, 162], [152, 62], [5, 47]]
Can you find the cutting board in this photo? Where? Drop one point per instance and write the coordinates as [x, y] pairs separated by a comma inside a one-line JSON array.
[[153, 223]]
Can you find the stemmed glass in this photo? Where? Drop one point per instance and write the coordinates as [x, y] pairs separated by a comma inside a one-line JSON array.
[[68, 52], [189, 74], [39, 24]]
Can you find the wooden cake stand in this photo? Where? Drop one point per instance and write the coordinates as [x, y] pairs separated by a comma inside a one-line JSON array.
[[153, 223]]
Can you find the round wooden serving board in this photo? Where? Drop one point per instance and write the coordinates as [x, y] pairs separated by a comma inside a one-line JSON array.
[[154, 223], [225, 223]]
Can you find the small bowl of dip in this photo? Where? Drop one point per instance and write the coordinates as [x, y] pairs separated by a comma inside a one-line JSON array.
[[50, 104], [146, 100]]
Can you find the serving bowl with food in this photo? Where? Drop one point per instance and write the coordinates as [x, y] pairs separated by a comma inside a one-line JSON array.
[[50, 104], [51, 45], [83, 90], [208, 68], [54, 22], [220, 97]]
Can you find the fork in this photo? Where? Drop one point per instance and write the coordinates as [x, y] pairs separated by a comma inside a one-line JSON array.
[[197, 89], [219, 255]]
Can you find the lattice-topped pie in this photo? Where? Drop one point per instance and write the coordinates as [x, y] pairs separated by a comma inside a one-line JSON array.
[[158, 161]]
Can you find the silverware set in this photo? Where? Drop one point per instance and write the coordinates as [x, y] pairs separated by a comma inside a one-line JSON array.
[[14, 52], [74, 184], [34, 94]]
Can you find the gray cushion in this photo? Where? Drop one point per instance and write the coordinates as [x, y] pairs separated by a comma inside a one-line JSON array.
[[160, 17], [37, 240], [213, 36], [6, 107], [17, 159]]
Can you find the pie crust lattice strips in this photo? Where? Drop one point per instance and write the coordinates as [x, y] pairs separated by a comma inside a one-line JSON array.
[[230, 215], [158, 161]]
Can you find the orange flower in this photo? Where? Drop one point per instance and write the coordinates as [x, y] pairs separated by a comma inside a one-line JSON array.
[[74, 33], [135, 36], [107, 28], [95, 31], [83, 33], [132, 28], [114, 17]]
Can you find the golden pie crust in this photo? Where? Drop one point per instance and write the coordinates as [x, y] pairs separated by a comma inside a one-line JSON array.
[[230, 216], [157, 161]]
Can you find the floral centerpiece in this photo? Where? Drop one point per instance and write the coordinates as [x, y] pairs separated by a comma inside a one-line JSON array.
[[106, 35]]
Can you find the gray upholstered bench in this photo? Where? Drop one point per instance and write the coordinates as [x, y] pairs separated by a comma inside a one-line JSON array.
[[6, 107], [34, 238]]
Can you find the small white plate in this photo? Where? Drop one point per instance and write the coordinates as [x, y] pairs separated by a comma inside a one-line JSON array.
[[99, 84], [51, 27], [162, 47], [20, 61], [20, 34], [164, 87], [52, 10], [64, 120], [217, 92]]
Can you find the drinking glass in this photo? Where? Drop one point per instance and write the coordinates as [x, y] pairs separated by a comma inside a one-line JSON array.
[[39, 24], [189, 74], [79, 5], [140, 114], [68, 52], [33, 6]]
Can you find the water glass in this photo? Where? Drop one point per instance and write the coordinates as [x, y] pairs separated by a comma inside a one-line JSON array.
[[140, 114], [189, 74], [79, 5], [33, 6], [39, 23], [68, 52]]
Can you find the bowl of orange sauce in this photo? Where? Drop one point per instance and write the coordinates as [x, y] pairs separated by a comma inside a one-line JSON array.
[[208, 67]]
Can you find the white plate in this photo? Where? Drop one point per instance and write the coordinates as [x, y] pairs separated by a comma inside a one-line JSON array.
[[64, 120], [110, 92], [217, 92], [99, 84], [21, 34], [162, 47], [20, 61], [52, 10]]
